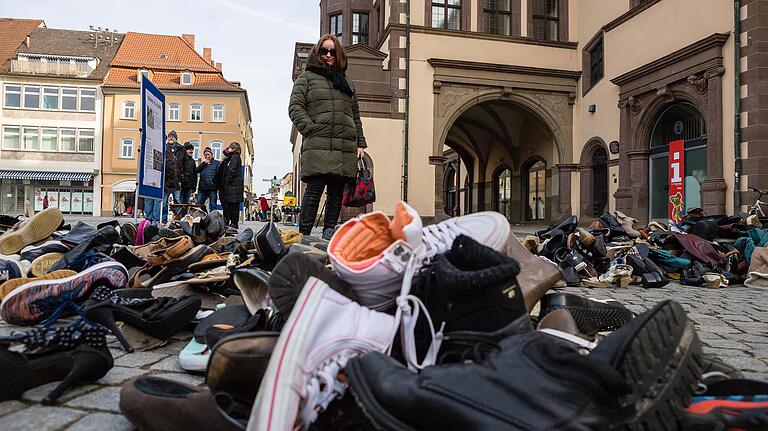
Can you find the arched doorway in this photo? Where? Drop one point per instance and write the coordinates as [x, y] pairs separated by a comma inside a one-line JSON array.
[[535, 187], [599, 165], [679, 121], [449, 191]]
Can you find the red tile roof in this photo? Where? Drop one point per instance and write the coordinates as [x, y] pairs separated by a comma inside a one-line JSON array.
[[127, 78], [13, 32], [145, 50]]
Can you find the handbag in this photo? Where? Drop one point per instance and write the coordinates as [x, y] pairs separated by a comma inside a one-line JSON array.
[[360, 191]]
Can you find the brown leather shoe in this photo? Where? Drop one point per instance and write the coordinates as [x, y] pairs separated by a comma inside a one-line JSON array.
[[562, 320], [238, 362], [536, 276]]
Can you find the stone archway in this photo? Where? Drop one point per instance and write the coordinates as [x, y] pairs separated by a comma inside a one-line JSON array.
[[588, 172]]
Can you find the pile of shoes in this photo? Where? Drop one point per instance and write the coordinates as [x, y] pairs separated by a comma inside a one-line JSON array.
[[389, 325]]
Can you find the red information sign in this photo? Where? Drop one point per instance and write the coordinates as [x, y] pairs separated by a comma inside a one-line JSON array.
[[676, 181]]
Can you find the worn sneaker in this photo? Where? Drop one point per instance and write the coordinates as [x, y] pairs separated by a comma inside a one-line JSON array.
[[324, 331], [12, 268], [39, 227], [32, 252], [10, 285]]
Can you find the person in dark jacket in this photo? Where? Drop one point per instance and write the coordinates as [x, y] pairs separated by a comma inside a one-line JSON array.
[[206, 189], [229, 179], [324, 109], [188, 175], [158, 211]]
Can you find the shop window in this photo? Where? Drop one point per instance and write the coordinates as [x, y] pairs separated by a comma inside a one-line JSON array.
[[11, 138], [535, 191], [503, 192], [359, 28], [545, 20], [446, 14], [12, 96], [680, 121], [126, 148], [336, 25], [498, 17]]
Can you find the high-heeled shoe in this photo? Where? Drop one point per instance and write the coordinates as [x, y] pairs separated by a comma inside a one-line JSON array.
[[74, 355], [158, 317]]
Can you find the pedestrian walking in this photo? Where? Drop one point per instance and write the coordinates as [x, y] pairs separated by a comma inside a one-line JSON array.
[[229, 178], [188, 180], [45, 202], [324, 109], [264, 205], [206, 189]]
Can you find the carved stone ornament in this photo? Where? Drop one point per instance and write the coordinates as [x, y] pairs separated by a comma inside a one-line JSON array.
[[571, 98], [436, 86], [507, 92], [700, 83], [631, 103], [665, 92], [714, 72]]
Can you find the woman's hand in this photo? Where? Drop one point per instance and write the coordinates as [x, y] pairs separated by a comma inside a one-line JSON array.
[[360, 152]]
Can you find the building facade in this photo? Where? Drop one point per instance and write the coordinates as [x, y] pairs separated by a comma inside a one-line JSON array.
[[51, 120], [544, 108], [201, 106]]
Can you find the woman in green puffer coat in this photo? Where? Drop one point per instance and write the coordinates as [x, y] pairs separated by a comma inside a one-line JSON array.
[[324, 109]]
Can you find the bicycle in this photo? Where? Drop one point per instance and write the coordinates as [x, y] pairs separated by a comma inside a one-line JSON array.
[[757, 206]]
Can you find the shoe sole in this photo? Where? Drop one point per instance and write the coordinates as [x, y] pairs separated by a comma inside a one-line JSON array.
[[277, 403], [726, 415], [592, 317], [663, 362], [37, 228], [11, 285], [17, 308], [43, 264]]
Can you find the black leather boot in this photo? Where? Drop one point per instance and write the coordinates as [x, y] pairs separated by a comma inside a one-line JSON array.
[[640, 377]]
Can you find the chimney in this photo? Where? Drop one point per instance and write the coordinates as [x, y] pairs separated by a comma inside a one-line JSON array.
[[190, 39], [207, 53], [218, 66]]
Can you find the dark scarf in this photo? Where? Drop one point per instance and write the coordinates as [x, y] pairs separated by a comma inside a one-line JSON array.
[[336, 76]]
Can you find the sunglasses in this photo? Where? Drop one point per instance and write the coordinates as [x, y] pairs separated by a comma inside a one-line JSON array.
[[326, 51]]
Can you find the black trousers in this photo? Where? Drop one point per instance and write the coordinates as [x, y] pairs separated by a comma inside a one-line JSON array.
[[311, 201], [231, 213]]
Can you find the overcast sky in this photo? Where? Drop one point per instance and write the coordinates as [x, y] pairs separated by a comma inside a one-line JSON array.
[[254, 40]]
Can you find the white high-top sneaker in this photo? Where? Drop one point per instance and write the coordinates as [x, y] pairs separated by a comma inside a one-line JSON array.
[[379, 258], [324, 330]]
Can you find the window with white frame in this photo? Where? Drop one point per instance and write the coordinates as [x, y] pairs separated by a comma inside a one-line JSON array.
[[216, 147], [87, 99], [85, 140], [186, 78], [32, 96], [174, 112], [218, 112], [49, 139], [359, 27], [31, 138], [196, 153], [51, 98], [126, 148], [129, 110], [69, 99], [11, 138], [196, 112], [12, 96], [68, 140]]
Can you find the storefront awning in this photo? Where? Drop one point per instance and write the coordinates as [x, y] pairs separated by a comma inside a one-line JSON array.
[[45, 176], [125, 187]]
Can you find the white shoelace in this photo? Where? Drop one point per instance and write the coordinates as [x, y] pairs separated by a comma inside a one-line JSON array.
[[437, 238], [323, 387]]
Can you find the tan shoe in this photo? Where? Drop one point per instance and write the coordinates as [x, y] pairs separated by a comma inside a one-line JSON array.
[[12, 284], [536, 275], [42, 264], [37, 228]]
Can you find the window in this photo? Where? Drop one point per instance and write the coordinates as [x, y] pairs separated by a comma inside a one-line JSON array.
[[635, 3], [446, 14], [218, 112], [546, 20], [13, 96], [186, 78], [51, 98], [596, 63], [196, 112], [174, 112], [69, 99], [31, 138], [196, 153], [126, 148], [49, 140], [129, 110], [31, 97], [11, 138], [336, 25], [216, 149], [359, 28], [68, 141], [87, 99], [85, 141], [503, 186], [534, 210], [498, 17]]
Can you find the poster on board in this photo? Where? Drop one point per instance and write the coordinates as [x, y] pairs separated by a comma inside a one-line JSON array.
[[676, 181], [152, 153]]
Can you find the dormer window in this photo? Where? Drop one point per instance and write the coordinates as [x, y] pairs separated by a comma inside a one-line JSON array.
[[143, 73], [186, 78]]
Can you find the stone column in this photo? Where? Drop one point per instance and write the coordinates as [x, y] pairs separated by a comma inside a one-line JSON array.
[[624, 199], [639, 179], [714, 188], [565, 170]]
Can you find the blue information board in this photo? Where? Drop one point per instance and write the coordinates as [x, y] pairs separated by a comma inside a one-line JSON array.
[[152, 154]]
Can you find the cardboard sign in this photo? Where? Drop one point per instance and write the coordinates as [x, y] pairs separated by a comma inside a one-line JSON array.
[[289, 201], [676, 181]]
